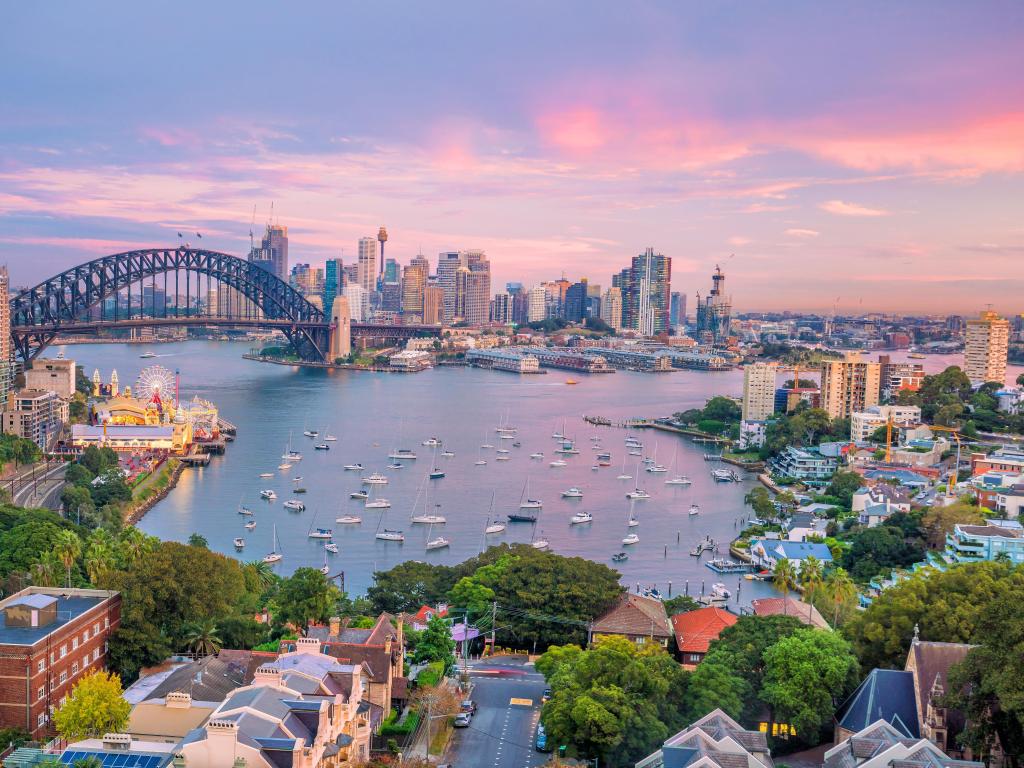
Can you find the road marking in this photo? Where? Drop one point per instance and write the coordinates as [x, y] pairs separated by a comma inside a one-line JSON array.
[[520, 702]]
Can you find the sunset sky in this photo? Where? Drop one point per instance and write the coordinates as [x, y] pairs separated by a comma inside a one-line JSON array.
[[867, 154]]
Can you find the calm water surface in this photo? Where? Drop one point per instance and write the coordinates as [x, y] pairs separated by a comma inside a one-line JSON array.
[[373, 414]]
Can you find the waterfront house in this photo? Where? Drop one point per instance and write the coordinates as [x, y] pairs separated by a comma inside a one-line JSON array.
[[766, 553], [714, 741], [303, 710], [971, 543], [804, 524], [789, 606], [638, 618], [808, 465], [694, 631]]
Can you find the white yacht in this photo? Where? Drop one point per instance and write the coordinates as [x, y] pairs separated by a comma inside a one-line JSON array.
[[694, 510], [354, 467], [581, 517], [432, 441], [638, 493], [329, 438], [402, 454], [480, 462], [294, 505], [678, 480], [631, 538], [348, 520], [557, 463], [375, 479], [359, 495], [239, 542], [377, 504], [331, 547], [321, 533], [268, 494], [657, 468], [537, 455], [266, 474], [250, 525], [572, 493], [447, 454], [389, 535]]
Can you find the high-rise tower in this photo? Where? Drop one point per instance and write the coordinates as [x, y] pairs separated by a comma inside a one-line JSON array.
[[382, 237], [985, 348]]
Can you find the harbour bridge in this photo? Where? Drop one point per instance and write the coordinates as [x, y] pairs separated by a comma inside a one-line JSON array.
[[121, 292]]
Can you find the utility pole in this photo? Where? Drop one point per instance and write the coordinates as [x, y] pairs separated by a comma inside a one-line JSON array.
[[494, 623], [465, 643]]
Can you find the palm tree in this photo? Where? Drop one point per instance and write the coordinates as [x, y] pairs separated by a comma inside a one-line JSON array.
[[841, 589], [99, 556], [133, 544], [46, 573], [202, 637], [812, 574], [264, 574], [1003, 557], [784, 577], [67, 548]]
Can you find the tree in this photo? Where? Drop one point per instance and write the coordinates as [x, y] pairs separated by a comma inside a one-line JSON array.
[[306, 596], [1020, 380], [76, 501], [722, 409], [879, 549], [100, 557], [843, 485], [784, 576], [806, 675], [241, 632], [261, 574], [616, 701], [202, 638], [95, 707], [841, 592], [67, 548], [945, 605], [811, 577], [680, 604], [471, 595], [408, 586], [24, 544], [198, 540], [938, 521], [435, 644], [760, 501], [716, 686]]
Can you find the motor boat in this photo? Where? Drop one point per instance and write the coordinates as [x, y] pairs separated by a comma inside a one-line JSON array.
[[239, 542], [250, 525], [388, 535], [572, 493], [377, 504], [638, 493], [657, 468], [618, 557], [694, 510], [244, 510], [375, 479], [321, 533], [311, 433], [147, 355], [294, 505], [402, 454], [268, 494], [537, 455], [395, 465], [321, 447], [428, 519], [557, 463], [678, 480], [719, 591], [354, 467], [331, 547], [432, 441], [297, 479], [359, 495], [266, 474], [630, 538], [330, 438], [581, 517], [348, 520], [447, 454], [480, 462]]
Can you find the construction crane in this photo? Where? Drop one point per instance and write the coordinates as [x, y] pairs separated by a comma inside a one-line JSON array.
[[956, 468]]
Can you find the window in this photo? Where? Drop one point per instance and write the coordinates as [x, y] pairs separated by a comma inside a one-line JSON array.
[[41, 692], [63, 677], [74, 644], [41, 666], [41, 720], [85, 661], [695, 657], [53, 657], [85, 635], [96, 628], [95, 653], [74, 668], [63, 651], [106, 622]]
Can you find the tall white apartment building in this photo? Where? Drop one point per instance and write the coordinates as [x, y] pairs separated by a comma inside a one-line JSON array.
[[759, 391], [987, 343]]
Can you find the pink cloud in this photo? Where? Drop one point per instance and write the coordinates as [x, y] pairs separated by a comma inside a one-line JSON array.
[[841, 208], [798, 232]]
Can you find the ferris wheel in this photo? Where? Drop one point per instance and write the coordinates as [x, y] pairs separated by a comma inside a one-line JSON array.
[[155, 384]]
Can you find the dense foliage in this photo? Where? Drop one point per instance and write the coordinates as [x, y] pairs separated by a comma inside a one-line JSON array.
[[718, 415], [94, 708], [805, 427], [948, 399]]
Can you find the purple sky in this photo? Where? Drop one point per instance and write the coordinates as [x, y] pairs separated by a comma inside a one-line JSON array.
[[866, 153]]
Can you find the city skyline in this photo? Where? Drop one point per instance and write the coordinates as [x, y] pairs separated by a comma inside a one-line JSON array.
[[874, 180]]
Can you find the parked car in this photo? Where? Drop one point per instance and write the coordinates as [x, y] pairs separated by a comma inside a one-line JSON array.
[[463, 719], [468, 706], [541, 742], [546, 696]]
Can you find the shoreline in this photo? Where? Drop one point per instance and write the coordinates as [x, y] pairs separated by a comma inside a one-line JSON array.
[[140, 511]]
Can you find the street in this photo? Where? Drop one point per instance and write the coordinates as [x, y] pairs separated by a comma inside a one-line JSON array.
[[507, 693], [38, 488]]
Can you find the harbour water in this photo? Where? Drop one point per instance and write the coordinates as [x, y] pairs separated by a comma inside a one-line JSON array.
[[372, 414]]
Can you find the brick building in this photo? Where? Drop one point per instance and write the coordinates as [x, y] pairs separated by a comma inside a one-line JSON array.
[[49, 639]]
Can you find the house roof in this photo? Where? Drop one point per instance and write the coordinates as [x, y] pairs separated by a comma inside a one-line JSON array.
[[797, 550], [207, 679], [885, 694], [695, 630], [790, 606], [154, 718], [425, 612], [635, 615], [930, 662]]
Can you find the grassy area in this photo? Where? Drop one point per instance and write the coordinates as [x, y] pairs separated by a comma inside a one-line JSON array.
[[152, 483], [439, 741], [430, 675]]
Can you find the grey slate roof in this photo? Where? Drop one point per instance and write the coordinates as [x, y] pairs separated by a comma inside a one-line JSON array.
[[885, 694]]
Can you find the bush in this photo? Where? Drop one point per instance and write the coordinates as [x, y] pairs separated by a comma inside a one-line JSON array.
[[404, 728], [430, 675]]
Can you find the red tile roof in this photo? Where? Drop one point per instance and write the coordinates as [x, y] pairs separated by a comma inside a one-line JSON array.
[[635, 615], [696, 629], [777, 606], [422, 615]]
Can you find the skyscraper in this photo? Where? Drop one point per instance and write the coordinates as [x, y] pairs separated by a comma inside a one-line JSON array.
[[714, 312], [358, 302], [611, 307], [536, 304], [986, 344], [501, 308], [849, 385], [334, 282], [473, 289], [448, 263], [645, 293], [576, 301], [6, 361], [367, 265], [272, 253], [391, 271], [759, 391], [677, 311], [414, 281], [433, 304]]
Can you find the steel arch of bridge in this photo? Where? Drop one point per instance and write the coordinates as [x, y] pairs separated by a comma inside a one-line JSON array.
[[39, 314]]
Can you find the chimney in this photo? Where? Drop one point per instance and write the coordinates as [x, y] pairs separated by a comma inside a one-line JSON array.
[[335, 626], [307, 645], [117, 742], [222, 736], [178, 700], [401, 631], [267, 675]]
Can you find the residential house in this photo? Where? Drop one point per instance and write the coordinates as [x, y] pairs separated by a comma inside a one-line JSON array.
[[694, 631], [808, 465], [789, 606], [418, 620], [638, 618], [714, 741], [169, 718], [1008, 459], [881, 745], [876, 504], [802, 525], [766, 553], [303, 710], [971, 543]]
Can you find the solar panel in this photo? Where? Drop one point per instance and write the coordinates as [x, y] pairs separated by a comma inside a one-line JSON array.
[[113, 759]]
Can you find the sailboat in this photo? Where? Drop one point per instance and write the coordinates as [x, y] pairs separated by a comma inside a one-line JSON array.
[[439, 543], [637, 492], [426, 518], [480, 460], [325, 569], [497, 526], [622, 474], [559, 434], [310, 432], [677, 479], [540, 543], [436, 473], [525, 502], [274, 556], [632, 521], [242, 509], [250, 525], [290, 454], [387, 534], [328, 437]]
